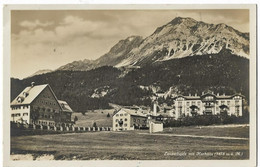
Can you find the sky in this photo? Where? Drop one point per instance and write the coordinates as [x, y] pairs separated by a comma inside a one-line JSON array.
[[48, 39]]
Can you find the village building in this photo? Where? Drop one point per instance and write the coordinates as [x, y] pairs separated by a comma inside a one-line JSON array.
[[129, 119], [39, 105], [208, 104], [155, 126]]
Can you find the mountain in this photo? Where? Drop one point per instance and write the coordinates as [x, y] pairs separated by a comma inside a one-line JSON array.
[[114, 56], [184, 56], [184, 37], [179, 38], [40, 72], [222, 73], [82, 65]]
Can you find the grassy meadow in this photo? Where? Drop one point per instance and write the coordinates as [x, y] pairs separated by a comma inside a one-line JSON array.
[[138, 144]]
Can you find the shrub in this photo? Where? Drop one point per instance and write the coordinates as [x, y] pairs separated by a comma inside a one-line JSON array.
[[207, 120]]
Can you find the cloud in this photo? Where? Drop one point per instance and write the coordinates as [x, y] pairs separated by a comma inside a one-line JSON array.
[[48, 45], [33, 24]]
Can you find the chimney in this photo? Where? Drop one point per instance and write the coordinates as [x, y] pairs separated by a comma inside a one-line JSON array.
[[196, 94], [32, 84], [189, 94], [224, 94], [217, 94], [154, 108]]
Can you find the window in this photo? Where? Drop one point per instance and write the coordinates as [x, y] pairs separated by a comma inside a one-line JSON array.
[[12, 115], [222, 102], [121, 114], [138, 120], [198, 102], [125, 119], [228, 102], [125, 125], [25, 114], [116, 125], [18, 115], [134, 120], [125, 114], [188, 103], [116, 120], [193, 102], [117, 115]]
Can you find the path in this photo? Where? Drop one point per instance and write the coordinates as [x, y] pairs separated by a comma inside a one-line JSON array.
[[195, 136]]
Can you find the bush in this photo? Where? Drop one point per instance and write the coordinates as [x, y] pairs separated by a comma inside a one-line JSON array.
[[206, 120]]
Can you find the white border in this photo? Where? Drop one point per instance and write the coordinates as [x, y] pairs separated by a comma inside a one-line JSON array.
[[85, 5]]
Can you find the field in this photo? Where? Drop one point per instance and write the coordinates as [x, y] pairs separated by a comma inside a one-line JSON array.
[[211, 142], [98, 116]]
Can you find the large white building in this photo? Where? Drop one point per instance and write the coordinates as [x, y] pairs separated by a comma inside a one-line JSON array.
[[129, 119], [208, 103]]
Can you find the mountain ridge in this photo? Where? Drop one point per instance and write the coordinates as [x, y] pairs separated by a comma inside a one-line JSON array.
[[181, 37]]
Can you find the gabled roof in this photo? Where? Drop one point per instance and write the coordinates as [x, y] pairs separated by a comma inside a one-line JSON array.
[[29, 94], [65, 107], [132, 112]]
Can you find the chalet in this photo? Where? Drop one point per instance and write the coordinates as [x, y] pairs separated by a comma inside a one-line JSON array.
[[39, 105], [129, 119]]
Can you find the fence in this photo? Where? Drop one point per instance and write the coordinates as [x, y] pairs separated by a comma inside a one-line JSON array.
[[45, 129]]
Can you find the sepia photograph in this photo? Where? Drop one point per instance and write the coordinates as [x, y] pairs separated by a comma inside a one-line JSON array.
[[131, 83]]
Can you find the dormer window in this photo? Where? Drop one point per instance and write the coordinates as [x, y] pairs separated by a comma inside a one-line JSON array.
[[20, 99], [25, 94]]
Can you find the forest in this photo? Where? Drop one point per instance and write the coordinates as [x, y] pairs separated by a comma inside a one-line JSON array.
[[221, 73]]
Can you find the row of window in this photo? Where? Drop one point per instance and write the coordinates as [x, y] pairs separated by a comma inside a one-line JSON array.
[[45, 109], [121, 114], [45, 102], [46, 123], [19, 114], [20, 107], [198, 103], [121, 119], [125, 125], [47, 116]]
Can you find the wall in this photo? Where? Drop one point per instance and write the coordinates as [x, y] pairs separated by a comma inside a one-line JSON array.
[[125, 117], [48, 107], [155, 127], [22, 110]]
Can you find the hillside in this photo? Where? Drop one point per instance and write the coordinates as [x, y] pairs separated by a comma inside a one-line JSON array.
[[222, 72]]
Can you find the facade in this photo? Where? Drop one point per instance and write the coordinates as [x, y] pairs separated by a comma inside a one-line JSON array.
[[127, 119], [39, 105], [155, 126], [208, 103]]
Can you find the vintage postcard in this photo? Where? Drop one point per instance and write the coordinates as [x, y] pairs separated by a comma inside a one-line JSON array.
[[130, 85]]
